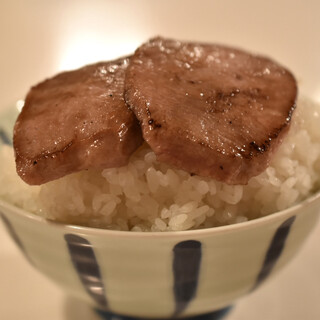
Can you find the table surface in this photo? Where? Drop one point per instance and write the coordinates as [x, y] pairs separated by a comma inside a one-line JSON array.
[[39, 38]]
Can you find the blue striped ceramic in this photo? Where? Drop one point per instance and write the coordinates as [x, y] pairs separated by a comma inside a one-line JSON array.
[[162, 275]]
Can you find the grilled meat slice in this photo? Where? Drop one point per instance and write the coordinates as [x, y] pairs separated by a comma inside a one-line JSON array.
[[74, 121], [208, 109]]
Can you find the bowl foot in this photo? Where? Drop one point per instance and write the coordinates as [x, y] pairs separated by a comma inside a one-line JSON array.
[[216, 315]]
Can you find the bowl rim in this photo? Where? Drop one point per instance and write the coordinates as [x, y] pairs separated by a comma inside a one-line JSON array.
[[72, 228]]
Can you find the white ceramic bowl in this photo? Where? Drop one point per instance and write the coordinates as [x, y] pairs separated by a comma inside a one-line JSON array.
[[161, 275]]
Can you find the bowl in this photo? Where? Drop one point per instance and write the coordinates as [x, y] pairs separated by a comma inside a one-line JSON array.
[[158, 274], [162, 275]]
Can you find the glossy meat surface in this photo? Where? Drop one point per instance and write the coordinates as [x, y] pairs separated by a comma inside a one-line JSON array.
[[209, 109], [75, 121]]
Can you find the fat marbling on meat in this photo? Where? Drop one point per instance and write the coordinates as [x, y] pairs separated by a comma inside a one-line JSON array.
[[209, 109], [75, 121]]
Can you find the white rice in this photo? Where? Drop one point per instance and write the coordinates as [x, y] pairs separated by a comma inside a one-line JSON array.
[[147, 195]]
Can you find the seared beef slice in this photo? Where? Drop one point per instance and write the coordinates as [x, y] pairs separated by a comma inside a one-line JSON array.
[[208, 109], [74, 121]]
